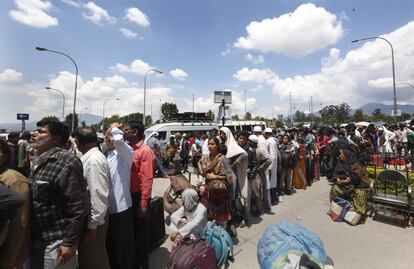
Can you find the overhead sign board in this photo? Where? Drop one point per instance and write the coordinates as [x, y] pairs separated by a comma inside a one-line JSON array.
[[220, 95], [22, 116]]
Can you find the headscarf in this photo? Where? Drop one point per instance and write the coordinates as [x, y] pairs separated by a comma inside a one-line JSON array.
[[190, 199], [233, 149], [349, 166]]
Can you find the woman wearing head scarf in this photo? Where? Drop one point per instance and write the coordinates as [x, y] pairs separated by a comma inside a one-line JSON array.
[[352, 183], [216, 170], [190, 219], [236, 156], [238, 159]]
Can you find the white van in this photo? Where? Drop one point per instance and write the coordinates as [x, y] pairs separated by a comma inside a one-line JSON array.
[[165, 130]]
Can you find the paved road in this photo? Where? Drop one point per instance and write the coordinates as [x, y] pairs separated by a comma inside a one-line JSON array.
[[371, 245]]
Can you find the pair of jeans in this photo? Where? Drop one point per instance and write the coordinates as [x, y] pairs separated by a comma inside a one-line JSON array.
[[44, 256]]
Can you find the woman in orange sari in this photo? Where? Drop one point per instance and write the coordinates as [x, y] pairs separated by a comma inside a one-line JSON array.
[[299, 172], [218, 183]]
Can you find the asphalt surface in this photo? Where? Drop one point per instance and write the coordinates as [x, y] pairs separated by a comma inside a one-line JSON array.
[[373, 244]]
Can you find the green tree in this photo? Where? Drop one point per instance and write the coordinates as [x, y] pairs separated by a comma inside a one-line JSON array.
[[235, 117], [342, 114], [359, 115], [68, 120], [405, 116], [377, 114], [167, 109], [248, 116]]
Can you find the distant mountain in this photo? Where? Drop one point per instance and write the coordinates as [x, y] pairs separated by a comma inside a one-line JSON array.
[[88, 118], [386, 109]]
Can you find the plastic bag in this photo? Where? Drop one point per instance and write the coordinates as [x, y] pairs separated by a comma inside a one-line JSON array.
[[281, 237]]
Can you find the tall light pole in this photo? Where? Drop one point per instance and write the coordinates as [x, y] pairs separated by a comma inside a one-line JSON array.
[[193, 108], [245, 99], [63, 101], [393, 68], [103, 111], [76, 81], [145, 88]]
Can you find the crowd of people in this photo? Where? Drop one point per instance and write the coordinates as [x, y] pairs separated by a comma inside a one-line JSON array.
[[80, 196]]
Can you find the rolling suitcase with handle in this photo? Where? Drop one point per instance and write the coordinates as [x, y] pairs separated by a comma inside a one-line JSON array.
[[157, 229]]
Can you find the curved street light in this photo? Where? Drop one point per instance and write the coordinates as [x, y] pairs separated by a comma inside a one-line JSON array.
[[145, 88], [393, 68], [103, 111], [63, 102], [76, 80], [405, 83]]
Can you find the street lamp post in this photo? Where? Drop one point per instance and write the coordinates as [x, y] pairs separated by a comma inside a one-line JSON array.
[[393, 68], [76, 81], [145, 88], [63, 102], [103, 112]]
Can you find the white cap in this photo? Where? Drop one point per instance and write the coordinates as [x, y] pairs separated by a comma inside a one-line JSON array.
[[254, 138], [257, 129], [269, 130]]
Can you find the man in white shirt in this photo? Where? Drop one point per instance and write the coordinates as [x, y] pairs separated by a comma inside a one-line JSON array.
[[120, 239], [92, 248], [273, 151], [262, 145]]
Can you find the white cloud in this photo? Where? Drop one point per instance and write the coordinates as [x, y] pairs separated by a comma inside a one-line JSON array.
[[33, 13], [362, 76], [254, 75], [97, 14], [135, 15], [138, 67], [72, 3], [255, 59], [307, 29], [10, 75], [128, 33], [179, 74]]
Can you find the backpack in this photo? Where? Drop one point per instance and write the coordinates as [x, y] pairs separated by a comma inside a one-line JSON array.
[[192, 254], [220, 240]]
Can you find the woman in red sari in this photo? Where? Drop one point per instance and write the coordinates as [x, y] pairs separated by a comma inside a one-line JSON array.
[[218, 183]]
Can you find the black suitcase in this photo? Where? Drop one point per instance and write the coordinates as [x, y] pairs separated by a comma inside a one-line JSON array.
[[156, 214]]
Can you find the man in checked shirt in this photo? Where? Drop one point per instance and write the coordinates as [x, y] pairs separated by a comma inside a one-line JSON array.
[[60, 200]]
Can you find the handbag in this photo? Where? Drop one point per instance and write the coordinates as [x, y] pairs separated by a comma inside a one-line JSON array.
[[339, 208], [217, 185]]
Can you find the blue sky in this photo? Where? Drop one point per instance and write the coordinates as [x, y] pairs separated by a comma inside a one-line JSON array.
[[268, 47]]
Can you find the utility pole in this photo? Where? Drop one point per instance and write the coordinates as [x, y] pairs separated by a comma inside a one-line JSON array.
[[311, 103], [290, 109], [245, 98], [193, 108]]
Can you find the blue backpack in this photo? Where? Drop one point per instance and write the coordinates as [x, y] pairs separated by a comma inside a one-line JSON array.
[[220, 240]]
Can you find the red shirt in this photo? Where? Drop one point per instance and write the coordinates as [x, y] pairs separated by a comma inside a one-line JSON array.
[[142, 172]]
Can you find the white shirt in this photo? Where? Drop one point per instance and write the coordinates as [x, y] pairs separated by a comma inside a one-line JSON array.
[[120, 162], [96, 173], [204, 148], [197, 220]]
